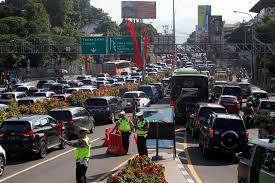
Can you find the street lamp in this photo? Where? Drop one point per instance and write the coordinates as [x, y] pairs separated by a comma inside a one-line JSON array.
[[253, 51]]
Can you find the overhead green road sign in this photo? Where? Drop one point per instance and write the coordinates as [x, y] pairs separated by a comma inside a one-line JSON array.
[[121, 45], [93, 45]]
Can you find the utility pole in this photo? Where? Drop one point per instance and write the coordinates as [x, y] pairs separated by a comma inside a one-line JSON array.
[[253, 50], [174, 36]]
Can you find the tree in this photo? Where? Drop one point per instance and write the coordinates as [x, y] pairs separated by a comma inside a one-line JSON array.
[[36, 14]]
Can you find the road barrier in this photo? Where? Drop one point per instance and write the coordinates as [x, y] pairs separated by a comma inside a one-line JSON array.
[[116, 145], [107, 137]]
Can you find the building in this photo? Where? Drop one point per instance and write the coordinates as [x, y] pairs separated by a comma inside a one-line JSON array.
[[263, 8]]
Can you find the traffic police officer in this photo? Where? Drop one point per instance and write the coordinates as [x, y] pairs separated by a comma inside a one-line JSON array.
[[142, 127], [82, 154], [125, 126]]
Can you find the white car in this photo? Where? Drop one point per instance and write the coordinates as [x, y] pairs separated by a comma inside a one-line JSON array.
[[2, 160], [141, 100], [7, 97], [48, 94]]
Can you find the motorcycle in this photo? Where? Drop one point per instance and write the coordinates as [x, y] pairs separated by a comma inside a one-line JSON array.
[[249, 121]]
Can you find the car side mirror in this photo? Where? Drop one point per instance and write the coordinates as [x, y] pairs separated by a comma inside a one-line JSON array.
[[239, 155]]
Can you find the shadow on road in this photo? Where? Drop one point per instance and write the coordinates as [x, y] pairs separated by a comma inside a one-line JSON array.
[[94, 178], [214, 159]]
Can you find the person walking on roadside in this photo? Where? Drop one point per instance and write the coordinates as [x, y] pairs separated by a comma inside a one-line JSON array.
[[142, 128], [125, 126], [82, 154]]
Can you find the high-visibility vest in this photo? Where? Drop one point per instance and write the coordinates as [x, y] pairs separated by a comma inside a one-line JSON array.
[[124, 125], [140, 131], [83, 152]]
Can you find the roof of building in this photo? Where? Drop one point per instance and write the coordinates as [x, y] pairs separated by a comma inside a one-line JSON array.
[[261, 4]]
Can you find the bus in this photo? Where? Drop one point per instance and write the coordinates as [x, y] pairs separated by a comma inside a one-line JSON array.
[[115, 67], [188, 87]]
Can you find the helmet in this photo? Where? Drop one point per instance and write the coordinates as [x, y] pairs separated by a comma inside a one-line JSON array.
[[122, 113], [139, 114], [248, 104]]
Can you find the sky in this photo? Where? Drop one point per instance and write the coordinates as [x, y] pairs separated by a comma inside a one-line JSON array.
[[186, 12]]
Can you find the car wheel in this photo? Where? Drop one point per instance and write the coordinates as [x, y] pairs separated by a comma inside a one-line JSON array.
[[62, 143], [43, 150], [2, 165]]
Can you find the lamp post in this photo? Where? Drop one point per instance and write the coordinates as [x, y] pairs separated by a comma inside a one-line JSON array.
[[174, 36], [253, 50]]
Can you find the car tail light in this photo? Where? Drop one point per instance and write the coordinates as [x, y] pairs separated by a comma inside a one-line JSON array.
[[246, 135], [172, 104], [273, 132], [211, 133], [2, 134], [29, 133]]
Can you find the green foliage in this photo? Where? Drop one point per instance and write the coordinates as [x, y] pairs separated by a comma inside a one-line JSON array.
[[140, 169], [16, 25], [265, 29], [2, 116], [270, 63]]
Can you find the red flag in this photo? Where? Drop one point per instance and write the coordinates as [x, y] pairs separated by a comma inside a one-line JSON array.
[[135, 41], [145, 42]]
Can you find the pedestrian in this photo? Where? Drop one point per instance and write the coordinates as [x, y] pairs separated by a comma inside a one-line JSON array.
[[82, 154], [142, 127], [125, 126]]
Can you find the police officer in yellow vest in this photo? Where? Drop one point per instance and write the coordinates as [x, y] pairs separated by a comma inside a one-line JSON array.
[[82, 154], [142, 127], [125, 126]]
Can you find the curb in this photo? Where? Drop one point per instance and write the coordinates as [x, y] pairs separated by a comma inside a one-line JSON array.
[[184, 171]]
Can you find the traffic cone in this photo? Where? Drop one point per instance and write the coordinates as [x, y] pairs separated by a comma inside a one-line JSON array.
[[107, 137]]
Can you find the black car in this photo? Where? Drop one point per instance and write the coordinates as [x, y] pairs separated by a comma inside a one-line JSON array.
[[104, 108], [150, 91], [223, 132], [41, 82], [31, 134], [73, 118], [59, 88]]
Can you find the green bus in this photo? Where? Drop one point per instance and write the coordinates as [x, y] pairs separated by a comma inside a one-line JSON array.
[[188, 87]]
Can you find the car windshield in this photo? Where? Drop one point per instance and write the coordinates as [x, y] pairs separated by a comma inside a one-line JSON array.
[[87, 82], [40, 95], [47, 85], [229, 124], [260, 95], [7, 96], [25, 102], [120, 79], [61, 115], [229, 99], [130, 95], [71, 91], [96, 102], [81, 78], [146, 90], [235, 91], [204, 111], [268, 105], [15, 126], [124, 74], [21, 89]]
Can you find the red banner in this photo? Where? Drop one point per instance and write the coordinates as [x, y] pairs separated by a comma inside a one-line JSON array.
[[135, 41]]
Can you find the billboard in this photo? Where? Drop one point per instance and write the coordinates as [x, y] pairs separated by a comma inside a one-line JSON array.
[[215, 25], [203, 12], [164, 44], [138, 9]]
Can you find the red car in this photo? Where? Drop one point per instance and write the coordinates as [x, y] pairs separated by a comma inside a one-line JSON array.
[[230, 103]]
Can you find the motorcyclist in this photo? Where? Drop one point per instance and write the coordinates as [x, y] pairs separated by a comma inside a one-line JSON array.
[[249, 110], [249, 115]]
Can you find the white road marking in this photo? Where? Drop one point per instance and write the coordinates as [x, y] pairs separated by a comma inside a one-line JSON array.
[[41, 163]]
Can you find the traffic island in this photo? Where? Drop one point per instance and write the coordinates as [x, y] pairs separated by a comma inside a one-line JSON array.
[[140, 169]]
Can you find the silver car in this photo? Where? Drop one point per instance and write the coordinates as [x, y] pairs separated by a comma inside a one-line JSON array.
[[2, 160]]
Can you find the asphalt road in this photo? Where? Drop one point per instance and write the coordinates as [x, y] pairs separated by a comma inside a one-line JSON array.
[[59, 165]]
